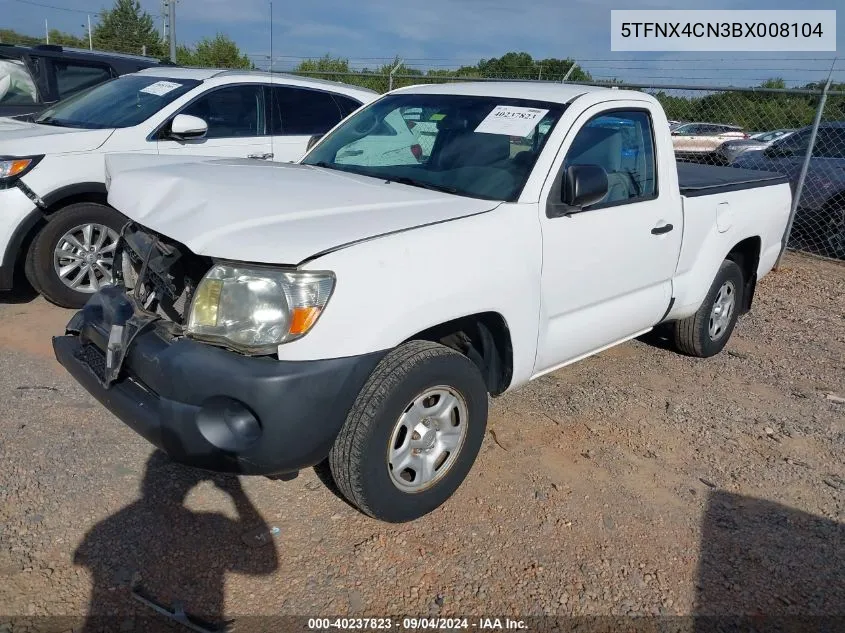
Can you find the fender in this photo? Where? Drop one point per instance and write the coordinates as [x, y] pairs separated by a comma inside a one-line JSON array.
[[14, 249], [398, 285], [36, 218], [760, 213], [71, 191]]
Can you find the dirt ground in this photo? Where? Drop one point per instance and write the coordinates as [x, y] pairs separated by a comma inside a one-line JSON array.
[[637, 482]]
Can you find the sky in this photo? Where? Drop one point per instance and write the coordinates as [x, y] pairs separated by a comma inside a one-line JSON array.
[[448, 33]]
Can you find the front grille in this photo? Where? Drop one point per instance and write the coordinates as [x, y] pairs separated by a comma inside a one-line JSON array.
[[162, 273], [93, 358]]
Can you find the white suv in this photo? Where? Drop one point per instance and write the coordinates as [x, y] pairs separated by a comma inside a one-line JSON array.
[[55, 224]]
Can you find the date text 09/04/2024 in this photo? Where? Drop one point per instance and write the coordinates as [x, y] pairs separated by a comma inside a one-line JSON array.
[[417, 624]]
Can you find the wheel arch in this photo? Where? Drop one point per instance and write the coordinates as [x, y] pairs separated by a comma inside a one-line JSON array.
[[746, 255], [72, 194], [484, 338], [32, 224]]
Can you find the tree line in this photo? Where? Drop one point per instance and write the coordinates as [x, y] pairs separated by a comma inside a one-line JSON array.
[[127, 28]]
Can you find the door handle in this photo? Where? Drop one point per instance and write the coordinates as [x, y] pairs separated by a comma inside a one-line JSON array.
[[260, 156], [660, 230]]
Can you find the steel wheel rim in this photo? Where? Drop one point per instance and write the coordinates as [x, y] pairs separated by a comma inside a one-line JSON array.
[[722, 311], [427, 439], [84, 257]]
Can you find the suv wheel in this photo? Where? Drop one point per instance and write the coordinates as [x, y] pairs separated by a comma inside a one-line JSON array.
[[73, 255]]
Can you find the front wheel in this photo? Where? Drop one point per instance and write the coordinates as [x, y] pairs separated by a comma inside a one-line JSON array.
[[73, 255], [412, 434], [706, 332]]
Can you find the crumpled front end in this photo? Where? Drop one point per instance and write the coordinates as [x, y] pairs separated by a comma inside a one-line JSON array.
[[204, 406]]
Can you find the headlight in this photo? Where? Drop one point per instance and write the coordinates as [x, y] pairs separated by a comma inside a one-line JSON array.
[[13, 168], [254, 309]]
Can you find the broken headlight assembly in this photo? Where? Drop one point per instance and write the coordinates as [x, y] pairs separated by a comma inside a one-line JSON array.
[[254, 309]]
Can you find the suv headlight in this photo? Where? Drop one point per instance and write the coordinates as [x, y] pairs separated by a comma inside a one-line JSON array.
[[254, 309], [13, 168]]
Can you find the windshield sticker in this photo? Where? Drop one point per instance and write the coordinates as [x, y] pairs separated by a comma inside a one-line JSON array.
[[437, 117], [161, 88], [511, 120]]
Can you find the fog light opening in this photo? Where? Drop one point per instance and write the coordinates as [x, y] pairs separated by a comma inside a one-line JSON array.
[[228, 424]]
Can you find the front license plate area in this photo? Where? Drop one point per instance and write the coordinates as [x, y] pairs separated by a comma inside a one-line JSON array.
[[114, 320]]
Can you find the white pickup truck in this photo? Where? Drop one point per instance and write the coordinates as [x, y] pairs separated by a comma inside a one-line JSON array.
[[360, 306]]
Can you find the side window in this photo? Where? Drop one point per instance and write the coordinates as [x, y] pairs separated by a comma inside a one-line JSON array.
[[16, 84], [830, 143], [795, 144], [347, 105], [302, 112], [232, 112], [622, 144], [72, 77]]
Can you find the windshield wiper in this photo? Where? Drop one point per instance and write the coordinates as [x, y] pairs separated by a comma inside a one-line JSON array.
[[60, 123], [404, 180], [324, 164], [48, 121]]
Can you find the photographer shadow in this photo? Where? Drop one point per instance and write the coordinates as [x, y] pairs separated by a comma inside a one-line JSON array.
[[767, 567], [156, 551]]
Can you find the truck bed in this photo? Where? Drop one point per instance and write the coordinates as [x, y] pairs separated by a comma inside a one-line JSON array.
[[701, 180]]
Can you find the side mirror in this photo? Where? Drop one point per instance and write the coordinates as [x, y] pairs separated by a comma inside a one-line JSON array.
[[583, 185], [185, 127], [313, 141]]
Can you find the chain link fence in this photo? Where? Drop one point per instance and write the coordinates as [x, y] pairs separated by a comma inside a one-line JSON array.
[[768, 129]]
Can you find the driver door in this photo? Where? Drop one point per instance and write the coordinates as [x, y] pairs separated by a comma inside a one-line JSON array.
[[236, 125], [608, 269]]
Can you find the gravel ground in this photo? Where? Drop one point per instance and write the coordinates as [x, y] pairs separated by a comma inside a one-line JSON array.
[[637, 482]]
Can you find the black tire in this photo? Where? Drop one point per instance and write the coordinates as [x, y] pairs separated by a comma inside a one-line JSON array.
[[692, 335], [44, 276], [29, 268], [358, 459]]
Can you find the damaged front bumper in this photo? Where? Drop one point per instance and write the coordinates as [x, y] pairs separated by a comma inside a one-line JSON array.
[[206, 406]]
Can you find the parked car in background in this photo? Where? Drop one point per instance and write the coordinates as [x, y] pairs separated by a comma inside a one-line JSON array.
[[727, 152], [364, 313], [33, 77], [55, 222], [820, 219], [703, 138]]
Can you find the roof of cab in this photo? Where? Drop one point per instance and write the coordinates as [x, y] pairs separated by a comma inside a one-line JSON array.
[[553, 92]]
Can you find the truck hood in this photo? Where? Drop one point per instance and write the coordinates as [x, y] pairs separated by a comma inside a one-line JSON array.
[[22, 138], [272, 213]]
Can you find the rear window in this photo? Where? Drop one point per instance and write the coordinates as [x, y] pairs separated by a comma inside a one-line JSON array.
[[16, 84], [73, 77]]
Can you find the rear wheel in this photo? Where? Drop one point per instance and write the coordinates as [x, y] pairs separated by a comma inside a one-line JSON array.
[[412, 434], [73, 255], [706, 333]]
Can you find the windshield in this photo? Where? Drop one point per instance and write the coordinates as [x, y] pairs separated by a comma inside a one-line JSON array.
[[123, 102], [16, 84], [481, 147]]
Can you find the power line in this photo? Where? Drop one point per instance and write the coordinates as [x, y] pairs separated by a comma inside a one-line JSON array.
[[55, 8], [50, 6]]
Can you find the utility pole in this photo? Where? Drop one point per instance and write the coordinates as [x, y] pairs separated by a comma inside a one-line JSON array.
[[171, 30], [90, 36], [47, 30]]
